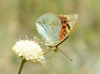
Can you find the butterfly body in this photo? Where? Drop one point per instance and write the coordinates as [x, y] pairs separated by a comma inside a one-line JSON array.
[[56, 28]]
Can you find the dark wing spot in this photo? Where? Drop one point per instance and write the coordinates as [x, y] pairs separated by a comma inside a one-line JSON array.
[[64, 21], [68, 26], [64, 27], [65, 32]]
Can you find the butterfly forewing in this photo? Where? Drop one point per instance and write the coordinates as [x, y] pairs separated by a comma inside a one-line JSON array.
[[49, 27]]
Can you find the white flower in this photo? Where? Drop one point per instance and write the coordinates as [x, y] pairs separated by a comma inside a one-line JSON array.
[[29, 50]]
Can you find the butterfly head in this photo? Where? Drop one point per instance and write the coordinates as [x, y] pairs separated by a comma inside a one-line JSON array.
[[51, 46]]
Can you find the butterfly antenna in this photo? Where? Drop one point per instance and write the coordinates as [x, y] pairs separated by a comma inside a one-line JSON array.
[[65, 55]]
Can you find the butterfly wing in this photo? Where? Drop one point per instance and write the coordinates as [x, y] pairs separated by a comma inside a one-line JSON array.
[[69, 23], [49, 26]]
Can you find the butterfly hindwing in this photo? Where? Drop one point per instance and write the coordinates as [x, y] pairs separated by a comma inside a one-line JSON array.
[[69, 23]]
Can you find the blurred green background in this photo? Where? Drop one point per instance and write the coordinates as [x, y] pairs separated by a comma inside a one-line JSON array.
[[18, 18]]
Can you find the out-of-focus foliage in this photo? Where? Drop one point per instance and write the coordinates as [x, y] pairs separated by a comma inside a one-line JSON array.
[[18, 18]]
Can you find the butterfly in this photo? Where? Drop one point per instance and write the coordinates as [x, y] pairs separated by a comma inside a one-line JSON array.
[[55, 29]]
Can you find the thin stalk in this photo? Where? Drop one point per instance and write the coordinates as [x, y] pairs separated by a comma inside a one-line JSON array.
[[21, 66]]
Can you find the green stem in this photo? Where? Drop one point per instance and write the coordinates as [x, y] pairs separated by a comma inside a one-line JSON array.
[[21, 66]]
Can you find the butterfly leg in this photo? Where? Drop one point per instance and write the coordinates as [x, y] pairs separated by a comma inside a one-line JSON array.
[[48, 50]]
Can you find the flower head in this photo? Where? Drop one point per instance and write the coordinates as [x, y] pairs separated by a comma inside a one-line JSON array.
[[29, 50]]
